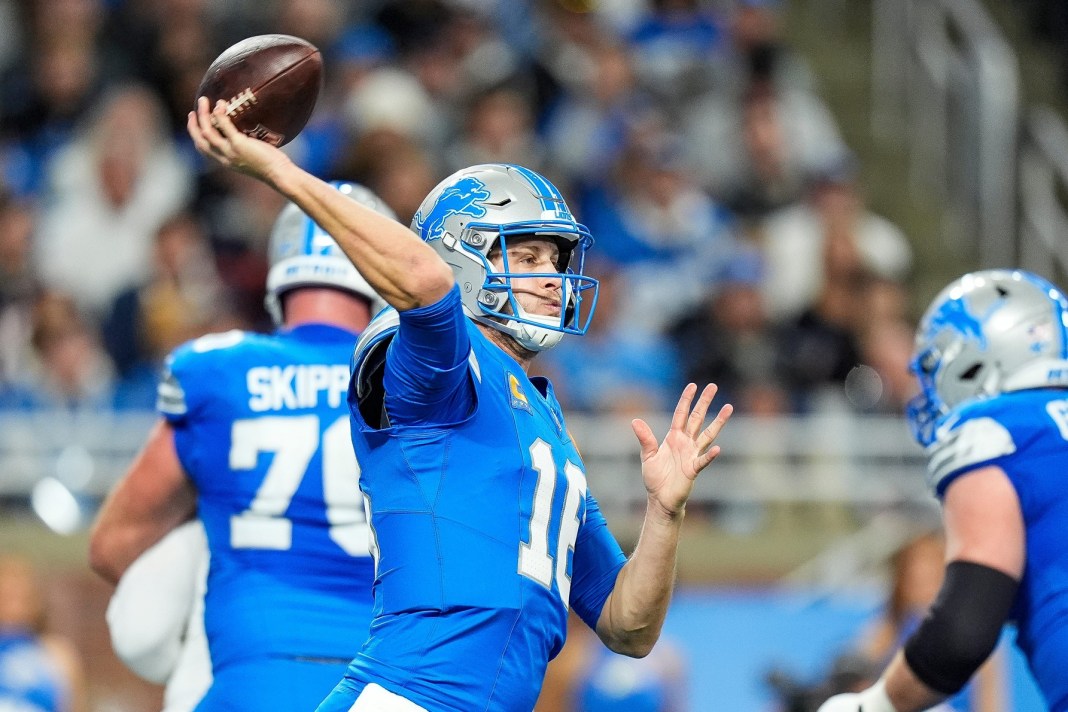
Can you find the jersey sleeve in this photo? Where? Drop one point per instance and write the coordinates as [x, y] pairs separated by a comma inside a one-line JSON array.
[[171, 400], [426, 377], [596, 565], [966, 445]]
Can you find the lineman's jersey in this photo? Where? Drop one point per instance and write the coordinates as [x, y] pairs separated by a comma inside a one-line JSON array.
[[1025, 433], [485, 528], [261, 428]]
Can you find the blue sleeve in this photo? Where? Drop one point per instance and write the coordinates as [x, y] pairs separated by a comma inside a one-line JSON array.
[[180, 399], [426, 376], [596, 565]]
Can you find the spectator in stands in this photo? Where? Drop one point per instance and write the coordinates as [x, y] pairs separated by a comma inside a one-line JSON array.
[[498, 128], [39, 670], [755, 143], [401, 176], [40, 108], [108, 193], [70, 369], [654, 222], [18, 285], [587, 127], [11, 40], [389, 102], [675, 45], [237, 213], [728, 340], [818, 349], [326, 142], [184, 298], [167, 45], [795, 240], [614, 368], [885, 342]]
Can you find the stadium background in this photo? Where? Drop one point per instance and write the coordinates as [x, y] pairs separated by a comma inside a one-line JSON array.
[[715, 147]]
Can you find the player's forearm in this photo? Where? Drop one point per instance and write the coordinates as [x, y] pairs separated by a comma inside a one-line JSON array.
[[635, 610], [403, 269], [114, 543], [905, 690], [114, 546]]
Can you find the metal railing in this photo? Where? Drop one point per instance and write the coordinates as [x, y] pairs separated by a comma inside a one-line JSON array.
[[1043, 187], [945, 82], [826, 458]]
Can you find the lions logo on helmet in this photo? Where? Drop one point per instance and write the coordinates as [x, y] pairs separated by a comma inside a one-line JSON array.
[[988, 332], [302, 254], [477, 210], [465, 197]]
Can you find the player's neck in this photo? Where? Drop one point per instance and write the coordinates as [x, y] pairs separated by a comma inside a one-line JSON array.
[[509, 345], [326, 306]]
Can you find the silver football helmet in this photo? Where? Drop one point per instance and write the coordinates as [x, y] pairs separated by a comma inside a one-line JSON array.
[[480, 208], [302, 254], [988, 332]]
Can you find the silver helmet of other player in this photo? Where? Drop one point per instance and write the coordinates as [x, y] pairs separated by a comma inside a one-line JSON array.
[[302, 254], [475, 212], [987, 333]]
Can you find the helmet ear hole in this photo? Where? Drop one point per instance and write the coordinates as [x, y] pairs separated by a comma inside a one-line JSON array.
[[972, 373]]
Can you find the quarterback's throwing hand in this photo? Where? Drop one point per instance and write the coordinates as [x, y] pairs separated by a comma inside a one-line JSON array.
[[215, 136], [671, 467]]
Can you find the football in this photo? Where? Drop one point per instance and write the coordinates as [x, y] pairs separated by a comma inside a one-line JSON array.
[[270, 84]]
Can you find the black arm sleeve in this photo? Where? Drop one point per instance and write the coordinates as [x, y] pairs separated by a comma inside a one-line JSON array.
[[963, 626]]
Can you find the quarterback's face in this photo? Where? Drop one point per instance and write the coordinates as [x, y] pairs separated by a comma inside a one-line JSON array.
[[534, 255]]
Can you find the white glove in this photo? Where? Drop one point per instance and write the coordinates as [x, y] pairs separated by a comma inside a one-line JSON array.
[[874, 699]]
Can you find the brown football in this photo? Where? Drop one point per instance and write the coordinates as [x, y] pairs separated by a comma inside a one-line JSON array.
[[270, 84]]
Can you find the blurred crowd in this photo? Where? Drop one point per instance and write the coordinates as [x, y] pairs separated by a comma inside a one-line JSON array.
[[733, 242]]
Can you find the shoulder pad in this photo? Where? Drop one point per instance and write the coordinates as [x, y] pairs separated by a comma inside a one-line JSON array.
[[183, 363], [214, 342], [966, 445], [379, 331], [170, 397]]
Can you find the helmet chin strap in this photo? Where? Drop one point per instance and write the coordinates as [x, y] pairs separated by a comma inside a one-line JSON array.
[[531, 337], [537, 338]]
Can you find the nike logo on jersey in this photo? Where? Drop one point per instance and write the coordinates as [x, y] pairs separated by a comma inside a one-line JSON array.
[[289, 387]]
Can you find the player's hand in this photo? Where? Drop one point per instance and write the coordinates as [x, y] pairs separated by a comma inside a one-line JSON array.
[[215, 136], [671, 467], [873, 699]]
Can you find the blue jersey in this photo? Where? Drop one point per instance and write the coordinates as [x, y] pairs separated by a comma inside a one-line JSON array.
[[261, 428], [485, 529], [30, 679], [1025, 433]]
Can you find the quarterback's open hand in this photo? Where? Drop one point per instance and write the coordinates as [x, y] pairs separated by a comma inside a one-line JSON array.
[[671, 467], [215, 136]]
